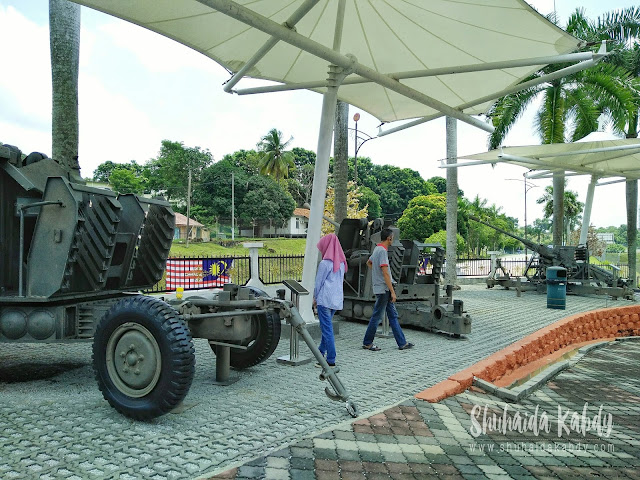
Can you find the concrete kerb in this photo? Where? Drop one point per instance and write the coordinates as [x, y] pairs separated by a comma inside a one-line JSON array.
[[517, 393], [608, 323]]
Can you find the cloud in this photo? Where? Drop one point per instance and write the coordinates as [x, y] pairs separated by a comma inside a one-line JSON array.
[[25, 83], [157, 53], [112, 128]]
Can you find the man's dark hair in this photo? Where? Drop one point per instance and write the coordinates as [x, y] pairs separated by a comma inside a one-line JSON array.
[[385, 233]]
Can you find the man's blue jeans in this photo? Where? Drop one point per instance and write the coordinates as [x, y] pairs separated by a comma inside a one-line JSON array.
[[383, 302], [327, 344]]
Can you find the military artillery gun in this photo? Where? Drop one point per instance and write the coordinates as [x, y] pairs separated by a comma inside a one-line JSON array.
[[583, 278], [72, 261], [415, 266]]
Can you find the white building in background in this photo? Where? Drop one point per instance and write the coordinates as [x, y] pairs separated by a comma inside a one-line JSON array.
[[605, 237], [296, 226]]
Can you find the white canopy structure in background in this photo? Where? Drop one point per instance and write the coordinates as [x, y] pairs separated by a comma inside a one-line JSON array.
[[617, 159], [396, 59]]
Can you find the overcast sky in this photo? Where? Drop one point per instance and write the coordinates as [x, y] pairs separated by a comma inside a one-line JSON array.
[[138, 88]]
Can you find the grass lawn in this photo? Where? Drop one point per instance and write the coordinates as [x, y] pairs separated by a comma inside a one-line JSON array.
[[272, 246]]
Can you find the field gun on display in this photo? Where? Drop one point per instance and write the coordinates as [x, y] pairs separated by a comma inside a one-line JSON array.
[[583, 278], [415, 266], [73, 259]]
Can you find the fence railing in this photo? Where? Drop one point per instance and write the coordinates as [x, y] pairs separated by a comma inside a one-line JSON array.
[[276, 268], [195, 272], [480, 267]]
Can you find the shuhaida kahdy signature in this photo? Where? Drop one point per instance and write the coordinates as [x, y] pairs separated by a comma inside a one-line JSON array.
[[567, 421]]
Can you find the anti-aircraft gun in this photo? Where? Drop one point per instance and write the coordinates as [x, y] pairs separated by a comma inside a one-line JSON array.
[[415, 266], [583, 278], [72, 261]]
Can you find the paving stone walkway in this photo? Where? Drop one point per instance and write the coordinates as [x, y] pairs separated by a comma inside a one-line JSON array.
[[54, 423], [551, 434]]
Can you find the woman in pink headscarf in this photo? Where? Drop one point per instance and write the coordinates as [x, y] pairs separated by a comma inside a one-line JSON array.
[[327, 294]]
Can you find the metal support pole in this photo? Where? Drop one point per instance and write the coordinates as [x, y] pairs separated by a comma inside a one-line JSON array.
[[249, 17], [269, 44], [355, 159], [515, 88], [21, 252], [337, 392], [586, 216], [188, 204], [451, 277], [294, 358], [223, 366], [321, 172]]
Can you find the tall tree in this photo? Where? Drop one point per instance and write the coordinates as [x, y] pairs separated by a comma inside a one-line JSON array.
[[64, 40], [572, 207], [340, 160], [275, 160], [569, 109], [622, 26], [169, 172]]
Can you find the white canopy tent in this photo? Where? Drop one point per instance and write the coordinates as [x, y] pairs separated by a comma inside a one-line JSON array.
[[403, 58], [596, 155]]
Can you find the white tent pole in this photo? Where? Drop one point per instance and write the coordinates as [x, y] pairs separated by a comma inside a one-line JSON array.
[[590, 150], [515, 88], [600, 184], [266, 25], [574, 168], [471, 164], [549, 174], [451, 203], [478, 67], [586, 216], [269, 44], [321, 172]]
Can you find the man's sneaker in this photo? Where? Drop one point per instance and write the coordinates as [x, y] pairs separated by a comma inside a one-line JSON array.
[[407, 346]]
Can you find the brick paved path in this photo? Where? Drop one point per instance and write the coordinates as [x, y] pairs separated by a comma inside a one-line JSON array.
[[419, 440], [55, 424]]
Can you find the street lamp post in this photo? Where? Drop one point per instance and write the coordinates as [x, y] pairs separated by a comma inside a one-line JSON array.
[[359, 141], [527, 186]]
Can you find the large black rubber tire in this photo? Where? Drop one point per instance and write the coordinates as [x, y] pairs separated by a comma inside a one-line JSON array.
[[144, 334], [262, 345]]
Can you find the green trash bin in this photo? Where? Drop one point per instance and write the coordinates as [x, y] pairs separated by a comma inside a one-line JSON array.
[[557, 288]]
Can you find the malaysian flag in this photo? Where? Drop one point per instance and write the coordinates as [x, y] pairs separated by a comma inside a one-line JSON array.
[[193, 273], [424, 266]]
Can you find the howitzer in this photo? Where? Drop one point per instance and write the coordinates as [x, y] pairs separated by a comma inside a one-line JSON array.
[[416, 267], [73, 259], [583, 278]]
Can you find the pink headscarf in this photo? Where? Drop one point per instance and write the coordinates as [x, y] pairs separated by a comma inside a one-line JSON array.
[[330, 248]]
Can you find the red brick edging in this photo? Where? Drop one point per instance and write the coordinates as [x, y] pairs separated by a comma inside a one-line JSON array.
[[574, 329]]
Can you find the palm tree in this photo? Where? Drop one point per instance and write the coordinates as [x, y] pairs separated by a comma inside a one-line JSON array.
[[340, 159], [622, 26], [64, 38], [572, 207], [275, 160], [570, 108], [574, 101]]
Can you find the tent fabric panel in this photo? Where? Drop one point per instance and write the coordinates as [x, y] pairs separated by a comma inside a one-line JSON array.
[[386, 35], [611, 163]]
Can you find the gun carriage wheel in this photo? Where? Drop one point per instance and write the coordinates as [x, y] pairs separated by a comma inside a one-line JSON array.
[[264, 340], [143, 357]]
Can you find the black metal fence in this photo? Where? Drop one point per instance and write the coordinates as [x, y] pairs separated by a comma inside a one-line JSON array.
[[480, 267], [276, 268], [192, 273]]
